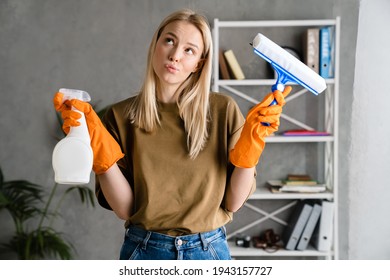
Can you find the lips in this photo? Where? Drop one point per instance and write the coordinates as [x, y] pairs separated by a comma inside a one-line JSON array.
[[171, 68]]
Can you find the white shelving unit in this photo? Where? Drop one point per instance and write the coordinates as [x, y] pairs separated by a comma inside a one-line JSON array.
[[330, 143]]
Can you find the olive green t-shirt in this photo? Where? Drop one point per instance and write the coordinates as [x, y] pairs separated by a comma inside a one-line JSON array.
[[173, 193]]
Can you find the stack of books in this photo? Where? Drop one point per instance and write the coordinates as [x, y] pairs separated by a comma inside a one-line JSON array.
[[296, 183]]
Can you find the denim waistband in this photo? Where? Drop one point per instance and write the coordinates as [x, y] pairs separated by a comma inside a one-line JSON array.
[[179, 242]]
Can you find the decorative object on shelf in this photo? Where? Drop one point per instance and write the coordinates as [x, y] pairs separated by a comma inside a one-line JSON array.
[[268, 240], [243, 241]]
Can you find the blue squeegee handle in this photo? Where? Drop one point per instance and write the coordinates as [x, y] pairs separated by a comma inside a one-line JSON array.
[[279, 85], [283, 77]]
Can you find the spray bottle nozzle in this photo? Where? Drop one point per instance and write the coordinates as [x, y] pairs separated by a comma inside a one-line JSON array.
[[75, 94]]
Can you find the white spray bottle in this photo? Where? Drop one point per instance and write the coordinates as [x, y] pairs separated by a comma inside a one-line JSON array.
[[73, 156]]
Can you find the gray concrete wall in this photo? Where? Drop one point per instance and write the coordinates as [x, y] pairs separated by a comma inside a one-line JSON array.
[[100, 46]]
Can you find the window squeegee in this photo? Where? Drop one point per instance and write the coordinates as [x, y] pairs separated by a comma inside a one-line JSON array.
[[287, 67]]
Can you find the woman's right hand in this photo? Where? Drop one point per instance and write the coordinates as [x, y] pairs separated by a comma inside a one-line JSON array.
[[106, 151]]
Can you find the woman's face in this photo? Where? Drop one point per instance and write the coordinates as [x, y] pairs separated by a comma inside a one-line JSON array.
[[177, 53]]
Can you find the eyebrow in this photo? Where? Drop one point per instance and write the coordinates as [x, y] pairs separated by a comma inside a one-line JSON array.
[[189, 43]]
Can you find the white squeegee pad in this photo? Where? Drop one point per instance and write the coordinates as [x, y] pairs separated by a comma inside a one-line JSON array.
[[288, 62]]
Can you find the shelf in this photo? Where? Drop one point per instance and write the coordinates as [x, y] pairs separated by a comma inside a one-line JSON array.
[[255, 252], [277, 23], [327, 145], [264, 193], [257, 82]]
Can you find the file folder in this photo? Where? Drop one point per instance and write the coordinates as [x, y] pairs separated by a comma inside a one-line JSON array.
[[323, 233], [297, 222], [309, 228]]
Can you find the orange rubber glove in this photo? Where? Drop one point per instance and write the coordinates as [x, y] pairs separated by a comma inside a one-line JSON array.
[[106, 151], [250, 145]]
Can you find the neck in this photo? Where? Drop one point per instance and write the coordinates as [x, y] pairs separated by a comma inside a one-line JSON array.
[[167, 94]]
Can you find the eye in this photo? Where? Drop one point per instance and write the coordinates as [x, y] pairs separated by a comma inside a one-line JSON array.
[[169, 41], [189, 51]]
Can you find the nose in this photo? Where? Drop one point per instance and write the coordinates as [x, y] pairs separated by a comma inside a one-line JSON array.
[[174, 55]]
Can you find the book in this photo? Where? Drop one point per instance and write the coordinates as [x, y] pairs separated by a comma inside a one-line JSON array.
[[323, 232], [326, 52], [233, 64], [296, 224], [223, 68], [277, 186], [332, 51], [299, 182], [298, 189], [311, 48], [304, 132], [310, 226], [298, 177]]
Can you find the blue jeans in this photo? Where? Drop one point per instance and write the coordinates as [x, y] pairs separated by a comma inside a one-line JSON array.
[[140, 244]]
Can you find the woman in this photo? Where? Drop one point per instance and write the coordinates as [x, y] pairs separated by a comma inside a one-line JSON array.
[[175, 161]]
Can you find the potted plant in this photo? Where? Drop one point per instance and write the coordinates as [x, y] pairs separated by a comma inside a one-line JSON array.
[[35, 237], [33, 216]]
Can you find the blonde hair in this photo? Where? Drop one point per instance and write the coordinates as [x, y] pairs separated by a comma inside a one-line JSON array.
[[192, 95]]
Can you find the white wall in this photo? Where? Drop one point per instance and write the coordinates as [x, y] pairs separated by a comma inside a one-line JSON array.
[[369, 192]]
